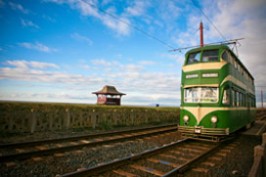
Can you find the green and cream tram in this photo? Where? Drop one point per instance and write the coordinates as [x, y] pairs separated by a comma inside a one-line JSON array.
[[217, 93]]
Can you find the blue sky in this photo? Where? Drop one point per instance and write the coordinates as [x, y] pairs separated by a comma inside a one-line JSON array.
[[62, 50]]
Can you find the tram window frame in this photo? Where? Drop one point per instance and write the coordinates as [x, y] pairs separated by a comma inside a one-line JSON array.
[[210, 56], [226, 56], [248, 101], [201, 95], [226, 96], [231, 59], [242, 71], [233, 98], [240, 99], [195, 59], [235, 62], [251, 102], [237, 98], [244, 100]]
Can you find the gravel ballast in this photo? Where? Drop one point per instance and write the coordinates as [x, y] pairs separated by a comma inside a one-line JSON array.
[[83, 158], [238, 161]]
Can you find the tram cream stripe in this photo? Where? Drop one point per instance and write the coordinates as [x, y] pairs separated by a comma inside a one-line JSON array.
[[203, 66], [202, 85], [237, 82], [221, 108], [200, 112]]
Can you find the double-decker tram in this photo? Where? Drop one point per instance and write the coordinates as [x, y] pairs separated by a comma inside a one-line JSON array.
[[217, 94]]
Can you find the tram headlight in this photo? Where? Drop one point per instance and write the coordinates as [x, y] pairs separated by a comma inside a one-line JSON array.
[[214, 119], [186, 118]]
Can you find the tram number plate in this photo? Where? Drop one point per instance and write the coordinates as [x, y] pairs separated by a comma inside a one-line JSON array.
[[197, 131]]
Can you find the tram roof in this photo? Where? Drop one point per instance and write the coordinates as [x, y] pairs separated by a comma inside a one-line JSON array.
[[208, 47], [213, 47]]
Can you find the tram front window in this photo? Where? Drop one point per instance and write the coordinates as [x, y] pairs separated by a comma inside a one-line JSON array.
[[193, 58], [210, 56], [201, 95]]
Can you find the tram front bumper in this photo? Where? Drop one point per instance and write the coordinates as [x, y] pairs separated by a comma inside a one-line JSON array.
[[199, 130]]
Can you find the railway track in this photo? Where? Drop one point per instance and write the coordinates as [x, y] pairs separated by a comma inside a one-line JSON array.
[[168, 160], [25, 150]]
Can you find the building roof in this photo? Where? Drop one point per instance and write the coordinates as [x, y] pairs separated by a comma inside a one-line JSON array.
[[109, 90]]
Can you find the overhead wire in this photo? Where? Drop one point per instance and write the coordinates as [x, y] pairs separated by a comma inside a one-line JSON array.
[[125, 22], [227, 42], [209, 20]]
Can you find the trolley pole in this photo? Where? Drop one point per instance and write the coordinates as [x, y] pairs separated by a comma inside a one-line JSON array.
[[201, 34]]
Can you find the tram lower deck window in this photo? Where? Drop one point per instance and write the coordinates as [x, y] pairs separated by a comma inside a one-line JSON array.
[[226, 96], [201, 95]]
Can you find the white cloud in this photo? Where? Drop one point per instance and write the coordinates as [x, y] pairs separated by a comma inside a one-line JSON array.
[[81, 38], [28, 23], [48, 18], [90, 8], [104, 63], [18, 7], [138, 8], [245, 19], [37, 46], [131, 78], [35, 71], [168, 15], [31, 64], [146, 62], [64, 96], [119, 23], [170, 10], [87, 8], [234, 19], [176, 56], [134, 77]]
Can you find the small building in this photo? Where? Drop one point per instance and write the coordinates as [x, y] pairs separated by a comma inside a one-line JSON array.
[[109, 96]]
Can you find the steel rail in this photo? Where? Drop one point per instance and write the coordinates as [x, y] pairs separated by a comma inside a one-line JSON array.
[[73, 138], [187, 165], [130, 159], [142, 133], [116, 163]]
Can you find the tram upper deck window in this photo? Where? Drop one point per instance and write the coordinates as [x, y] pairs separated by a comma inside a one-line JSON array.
[[210, 56], [201, 95], [193, 58]]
